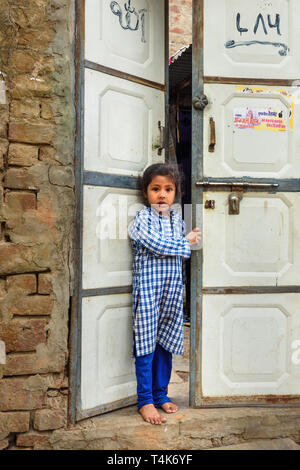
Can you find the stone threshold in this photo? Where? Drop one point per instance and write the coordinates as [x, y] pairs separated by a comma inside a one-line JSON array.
[[188, 429]]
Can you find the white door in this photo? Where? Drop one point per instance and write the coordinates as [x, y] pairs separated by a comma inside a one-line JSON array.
[[247, 287], [122, 86]]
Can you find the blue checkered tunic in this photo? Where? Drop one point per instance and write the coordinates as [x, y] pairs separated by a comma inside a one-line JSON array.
[[158, 245]]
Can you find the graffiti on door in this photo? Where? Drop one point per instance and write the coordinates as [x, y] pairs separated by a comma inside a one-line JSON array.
[[132, 20], [266, 24]]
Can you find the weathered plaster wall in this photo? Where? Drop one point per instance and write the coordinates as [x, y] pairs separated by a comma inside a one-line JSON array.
[[36, 216], [180, 24]]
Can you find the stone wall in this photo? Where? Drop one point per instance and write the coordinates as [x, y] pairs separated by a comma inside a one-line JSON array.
[[36, 217], [180, 24]]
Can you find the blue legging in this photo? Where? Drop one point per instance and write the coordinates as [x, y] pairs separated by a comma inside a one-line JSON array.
[[153, 373]]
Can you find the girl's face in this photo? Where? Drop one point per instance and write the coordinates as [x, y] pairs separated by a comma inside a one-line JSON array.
[[161, 192]]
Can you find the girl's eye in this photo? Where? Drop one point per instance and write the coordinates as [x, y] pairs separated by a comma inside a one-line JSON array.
[[169, 189]]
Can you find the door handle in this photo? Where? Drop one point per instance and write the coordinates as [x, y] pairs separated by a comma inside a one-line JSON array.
[[234, 200], [211, 147]]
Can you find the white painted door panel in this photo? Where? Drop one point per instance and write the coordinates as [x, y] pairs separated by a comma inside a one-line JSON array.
[[131, 40], [121, 124], [124, 100], [256, 131], [107, 366], [258, 247], [257, 39], [248, 345], [250, 275], [107, 253]]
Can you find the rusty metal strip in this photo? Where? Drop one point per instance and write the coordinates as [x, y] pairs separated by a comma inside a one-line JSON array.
[[195, 390], [83, 414], [75, 324], [95, 178], [251, 290], [249, 81], [106, 291], [126, 76]]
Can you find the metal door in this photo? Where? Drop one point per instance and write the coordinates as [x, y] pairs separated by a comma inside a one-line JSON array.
[[246, 193], [121, 113]]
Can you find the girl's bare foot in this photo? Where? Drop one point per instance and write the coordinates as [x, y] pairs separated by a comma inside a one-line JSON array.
[[169, 407], [151, 415]]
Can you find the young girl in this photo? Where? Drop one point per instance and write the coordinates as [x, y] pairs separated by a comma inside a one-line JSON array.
[[159, 244]]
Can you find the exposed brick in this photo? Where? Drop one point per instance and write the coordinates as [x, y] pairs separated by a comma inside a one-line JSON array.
[[25, 109], [48, 419], [20, 178], [61, 175], [177, 30], [23, 61], [23, 334], [20, 200], [22, 155], [31, 133], [26, 282], [38, 37], [32, 363], [180, 24], [32, 439], [29, 87], [13, 396], [2, 287], [33, 305], [3, 147], [17, 421], [4, 444], [18, 258], [45, 283], [46, 111], [3, 129], [47, 153]]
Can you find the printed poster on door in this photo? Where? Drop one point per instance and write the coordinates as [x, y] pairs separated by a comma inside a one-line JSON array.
[[264, 118]]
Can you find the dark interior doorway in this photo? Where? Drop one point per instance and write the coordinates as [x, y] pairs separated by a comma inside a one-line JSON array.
[[180, 148]]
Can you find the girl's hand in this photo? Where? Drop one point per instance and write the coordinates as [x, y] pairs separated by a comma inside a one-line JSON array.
[[194, 236]]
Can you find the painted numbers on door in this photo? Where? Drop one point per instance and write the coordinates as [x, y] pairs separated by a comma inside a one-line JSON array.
[[263, 23]]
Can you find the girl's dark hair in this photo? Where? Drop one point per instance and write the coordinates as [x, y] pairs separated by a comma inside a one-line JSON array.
[[162, 169]]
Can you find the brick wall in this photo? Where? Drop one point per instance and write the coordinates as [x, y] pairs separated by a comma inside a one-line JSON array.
[[36, 210], [180, 24]]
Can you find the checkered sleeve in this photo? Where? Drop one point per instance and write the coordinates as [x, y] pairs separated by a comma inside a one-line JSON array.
[[146, 235]]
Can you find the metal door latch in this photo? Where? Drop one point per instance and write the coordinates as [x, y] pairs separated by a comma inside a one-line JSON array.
[[162, 138], [210, 204], [234, 200]]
